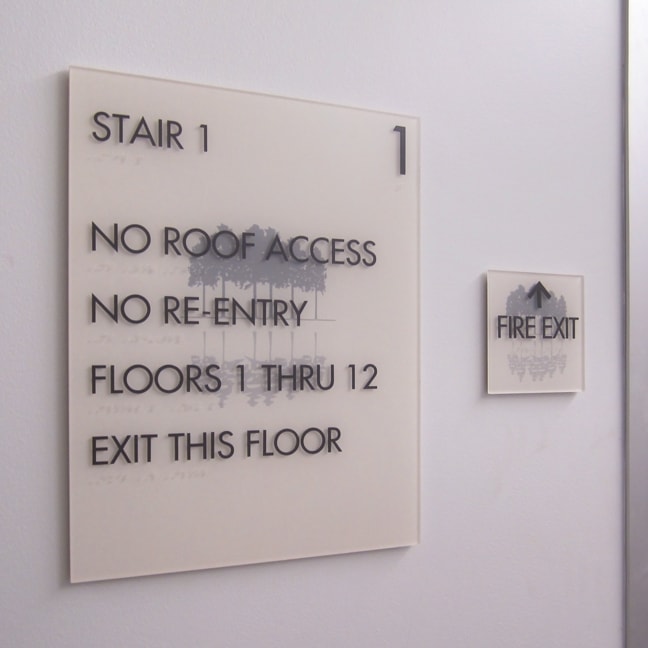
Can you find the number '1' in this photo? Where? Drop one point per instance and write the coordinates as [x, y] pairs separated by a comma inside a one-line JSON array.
[[401, 131], [203, 127]]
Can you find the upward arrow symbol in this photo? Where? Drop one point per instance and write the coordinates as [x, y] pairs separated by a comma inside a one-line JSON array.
[[539, 290]]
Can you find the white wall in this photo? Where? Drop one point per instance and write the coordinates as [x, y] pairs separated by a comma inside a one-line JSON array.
[[520, 105]]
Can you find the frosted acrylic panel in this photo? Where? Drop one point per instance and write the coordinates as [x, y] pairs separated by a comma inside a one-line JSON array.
[[535, 332], [243, 318]]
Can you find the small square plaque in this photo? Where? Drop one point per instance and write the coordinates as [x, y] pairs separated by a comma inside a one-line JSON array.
[[535, 333]]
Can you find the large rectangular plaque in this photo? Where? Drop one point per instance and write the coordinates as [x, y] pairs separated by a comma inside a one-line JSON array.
[[243, 327]]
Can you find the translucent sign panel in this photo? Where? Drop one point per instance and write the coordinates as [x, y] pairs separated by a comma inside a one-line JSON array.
[[243, 317], [535, 333]]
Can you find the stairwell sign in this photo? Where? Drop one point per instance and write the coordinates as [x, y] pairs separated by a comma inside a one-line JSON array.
[[535, 333], [243, 327]]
